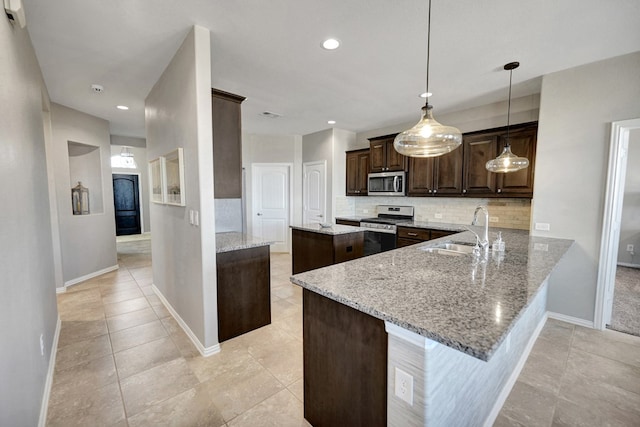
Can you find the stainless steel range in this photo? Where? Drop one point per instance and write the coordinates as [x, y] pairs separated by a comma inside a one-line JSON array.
[[381, 230]]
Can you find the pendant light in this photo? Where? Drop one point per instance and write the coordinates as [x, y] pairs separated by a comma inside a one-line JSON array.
[[427, 138], [507, 161]]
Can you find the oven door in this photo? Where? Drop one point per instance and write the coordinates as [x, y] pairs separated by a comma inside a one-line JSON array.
[[376, 242]]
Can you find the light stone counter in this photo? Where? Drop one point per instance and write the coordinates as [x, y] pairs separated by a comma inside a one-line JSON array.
[[234, 241], [463, 303], [333, 230]]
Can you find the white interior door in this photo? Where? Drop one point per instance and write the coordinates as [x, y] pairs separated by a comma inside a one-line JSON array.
[[270, 204], [314, 190]]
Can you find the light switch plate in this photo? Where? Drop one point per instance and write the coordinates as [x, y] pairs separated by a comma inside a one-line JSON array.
[[543, 226]]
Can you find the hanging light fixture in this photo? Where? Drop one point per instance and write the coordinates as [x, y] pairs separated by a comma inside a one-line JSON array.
[[507, 161], [428, 138]]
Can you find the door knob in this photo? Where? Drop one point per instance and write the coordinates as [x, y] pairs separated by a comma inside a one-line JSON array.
[[320, 216], [259, 214]]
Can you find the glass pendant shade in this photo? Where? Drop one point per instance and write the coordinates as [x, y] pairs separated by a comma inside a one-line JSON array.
[[507, 162], [427, 138]]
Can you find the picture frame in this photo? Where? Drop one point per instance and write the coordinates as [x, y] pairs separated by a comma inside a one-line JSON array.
[[156, 180], [174, 178]]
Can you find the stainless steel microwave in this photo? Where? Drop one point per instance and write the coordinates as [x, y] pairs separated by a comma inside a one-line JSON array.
[[386, 184]]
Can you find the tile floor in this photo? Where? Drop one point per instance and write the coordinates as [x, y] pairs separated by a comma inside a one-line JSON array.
[[123, 361]]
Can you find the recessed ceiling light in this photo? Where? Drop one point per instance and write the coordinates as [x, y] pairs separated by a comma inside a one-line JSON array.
[[425, 94], [122, 107], [332, 122], [330, 44]]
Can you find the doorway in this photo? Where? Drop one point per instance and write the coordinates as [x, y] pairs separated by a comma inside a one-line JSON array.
[[126, 201], [270, 208], [314, 192], [618, 156]]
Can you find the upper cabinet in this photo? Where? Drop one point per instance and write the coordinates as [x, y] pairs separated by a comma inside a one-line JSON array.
[[435, 175], [480, 147], [357, 172], [227, 144], [383, 157]]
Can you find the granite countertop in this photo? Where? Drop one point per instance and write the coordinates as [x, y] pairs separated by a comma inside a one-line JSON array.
[[434, 225], [234, 241], [333, 230], [458, 301]]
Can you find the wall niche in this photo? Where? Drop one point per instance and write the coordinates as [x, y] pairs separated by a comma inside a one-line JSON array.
[[85, 167]]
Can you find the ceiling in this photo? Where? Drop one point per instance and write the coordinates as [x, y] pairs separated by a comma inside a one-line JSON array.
[[269, 51]]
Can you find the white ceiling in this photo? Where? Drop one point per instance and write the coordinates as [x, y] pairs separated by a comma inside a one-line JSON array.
[[269, 51]]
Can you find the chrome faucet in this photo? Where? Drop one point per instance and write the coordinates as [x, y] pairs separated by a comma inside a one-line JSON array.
[[484, 240]]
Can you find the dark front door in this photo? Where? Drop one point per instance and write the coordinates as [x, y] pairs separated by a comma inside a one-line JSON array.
[[127, 204]]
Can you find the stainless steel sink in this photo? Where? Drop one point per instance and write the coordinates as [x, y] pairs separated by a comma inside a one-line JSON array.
[[450, 248]]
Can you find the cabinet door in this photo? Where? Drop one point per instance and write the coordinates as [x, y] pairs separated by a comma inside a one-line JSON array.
[[447, 173], [363, 172], [420, 180], [352, 174], [395, 160], [523, 144], [378, 156], [227, 145], [478, 150]]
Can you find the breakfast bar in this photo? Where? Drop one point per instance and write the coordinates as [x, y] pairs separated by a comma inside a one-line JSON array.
[[423, 336]]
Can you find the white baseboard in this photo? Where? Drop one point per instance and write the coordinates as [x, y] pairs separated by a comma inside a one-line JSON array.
[[204, 351], [91, 275], [49, 381], [626, 264], [571, 319], [504, 394]]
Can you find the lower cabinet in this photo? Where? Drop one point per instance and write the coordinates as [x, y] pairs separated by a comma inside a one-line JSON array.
[[311, 250], [244, 291], [407, 236], [347, 222]]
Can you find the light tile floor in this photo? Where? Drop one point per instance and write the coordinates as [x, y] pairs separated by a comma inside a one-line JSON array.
[[123, 361]]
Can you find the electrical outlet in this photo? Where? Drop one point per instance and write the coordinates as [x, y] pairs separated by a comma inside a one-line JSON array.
[[438, 216], [365, 210], [493, 219], [629, 248], [404, 386], [41, 345], [543, 226]]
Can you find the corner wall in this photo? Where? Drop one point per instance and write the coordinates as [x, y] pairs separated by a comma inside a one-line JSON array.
[[178, 114], [28, 308], [88, 241], [576, 110]]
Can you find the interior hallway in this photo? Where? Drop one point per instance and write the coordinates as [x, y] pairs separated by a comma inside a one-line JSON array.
[[625, 316], [124, 361]]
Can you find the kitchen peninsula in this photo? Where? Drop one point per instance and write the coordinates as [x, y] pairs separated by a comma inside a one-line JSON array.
[[243, 282], [453, 326]]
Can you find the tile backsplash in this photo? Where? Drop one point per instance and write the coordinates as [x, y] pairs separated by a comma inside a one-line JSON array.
[[507, 213]]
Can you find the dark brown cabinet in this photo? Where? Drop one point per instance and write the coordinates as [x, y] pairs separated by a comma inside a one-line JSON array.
[[480, 147], [407, 236], [347, 222], [385, 158], [357, 172], [227, 144], [311, 250], [435, 175], [244, 291]]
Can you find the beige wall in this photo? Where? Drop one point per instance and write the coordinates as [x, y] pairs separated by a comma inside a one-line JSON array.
[[28, 308], [178, 114], [88, 241], [576, 110]]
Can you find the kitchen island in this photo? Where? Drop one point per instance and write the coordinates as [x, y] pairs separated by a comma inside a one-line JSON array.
[[315, 246], [450, 331], [243, 283]]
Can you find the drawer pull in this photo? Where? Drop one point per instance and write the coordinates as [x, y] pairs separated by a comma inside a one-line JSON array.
[[412, 234]]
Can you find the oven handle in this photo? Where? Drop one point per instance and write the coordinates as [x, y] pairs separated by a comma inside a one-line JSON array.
[[396, 186]]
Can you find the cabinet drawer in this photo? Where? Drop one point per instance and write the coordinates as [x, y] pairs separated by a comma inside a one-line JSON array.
[[413, 233], [348, 222]]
